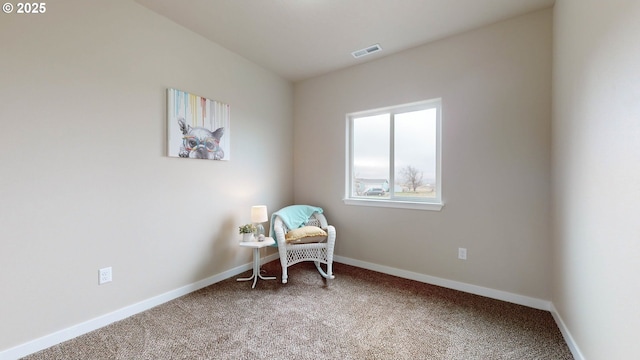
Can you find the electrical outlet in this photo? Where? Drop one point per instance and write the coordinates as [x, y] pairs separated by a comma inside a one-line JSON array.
[[462, 253], [104, 276]]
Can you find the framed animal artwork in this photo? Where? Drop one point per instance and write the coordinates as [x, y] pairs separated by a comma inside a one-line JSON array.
[[197, 127]]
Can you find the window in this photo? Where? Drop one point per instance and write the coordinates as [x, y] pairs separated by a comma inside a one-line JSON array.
[[393, 156]]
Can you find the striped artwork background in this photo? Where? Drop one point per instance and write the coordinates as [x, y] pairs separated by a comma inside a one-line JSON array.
[[197, 111]]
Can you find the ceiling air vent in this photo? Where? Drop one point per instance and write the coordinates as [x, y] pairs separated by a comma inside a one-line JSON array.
[[366, 51]]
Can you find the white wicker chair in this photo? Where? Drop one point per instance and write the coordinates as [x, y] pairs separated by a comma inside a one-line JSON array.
[[321, 252]]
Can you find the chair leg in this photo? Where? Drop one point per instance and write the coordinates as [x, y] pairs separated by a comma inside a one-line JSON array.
[[283, 264], [284, 274], [330, 270], [328, 274]]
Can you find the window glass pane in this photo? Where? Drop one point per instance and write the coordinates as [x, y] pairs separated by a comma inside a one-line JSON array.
[[393, 157], [415, 154], [371, 137]]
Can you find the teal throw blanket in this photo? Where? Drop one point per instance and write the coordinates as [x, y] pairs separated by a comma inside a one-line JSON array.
[[294, 216]]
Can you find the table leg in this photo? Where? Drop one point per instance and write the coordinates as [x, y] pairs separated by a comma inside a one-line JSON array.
[[256, 266], [246, 279], [253, 276], [256, 270]]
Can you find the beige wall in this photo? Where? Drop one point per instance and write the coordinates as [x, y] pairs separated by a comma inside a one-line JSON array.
[[85, 182], [596, 166], [495, 84]]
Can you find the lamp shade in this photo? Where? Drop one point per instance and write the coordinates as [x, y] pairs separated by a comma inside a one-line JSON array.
[[259, 214]]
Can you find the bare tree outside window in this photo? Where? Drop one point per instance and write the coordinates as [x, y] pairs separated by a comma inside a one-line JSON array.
[[412, 177]]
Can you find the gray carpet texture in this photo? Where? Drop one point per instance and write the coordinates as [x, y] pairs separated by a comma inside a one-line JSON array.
[[361, 314]]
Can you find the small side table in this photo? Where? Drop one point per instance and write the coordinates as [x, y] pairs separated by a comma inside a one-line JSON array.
[[257, 245]]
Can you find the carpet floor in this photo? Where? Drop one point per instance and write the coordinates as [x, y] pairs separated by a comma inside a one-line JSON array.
[[361, 314]]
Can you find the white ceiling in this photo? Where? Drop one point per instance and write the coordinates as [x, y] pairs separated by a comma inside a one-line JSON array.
[[299, 39]]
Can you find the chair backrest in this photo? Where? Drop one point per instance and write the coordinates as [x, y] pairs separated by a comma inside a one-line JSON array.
[[316, 219]]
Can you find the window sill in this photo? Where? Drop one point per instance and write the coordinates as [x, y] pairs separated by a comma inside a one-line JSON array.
[[395, 204]]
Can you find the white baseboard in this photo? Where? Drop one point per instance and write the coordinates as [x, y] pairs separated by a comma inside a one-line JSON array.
[[575, 351], [456, 285], [104, 320]]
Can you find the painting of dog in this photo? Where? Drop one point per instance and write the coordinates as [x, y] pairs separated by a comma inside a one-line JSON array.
[[200, 143], [196, 126]]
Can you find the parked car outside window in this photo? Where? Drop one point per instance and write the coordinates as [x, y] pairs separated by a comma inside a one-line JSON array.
[[374, 191]]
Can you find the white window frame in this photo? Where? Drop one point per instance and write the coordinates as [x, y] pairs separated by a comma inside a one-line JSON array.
[[434, 204]]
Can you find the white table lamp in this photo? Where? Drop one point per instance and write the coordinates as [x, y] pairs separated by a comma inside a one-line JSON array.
[[258, 216]]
